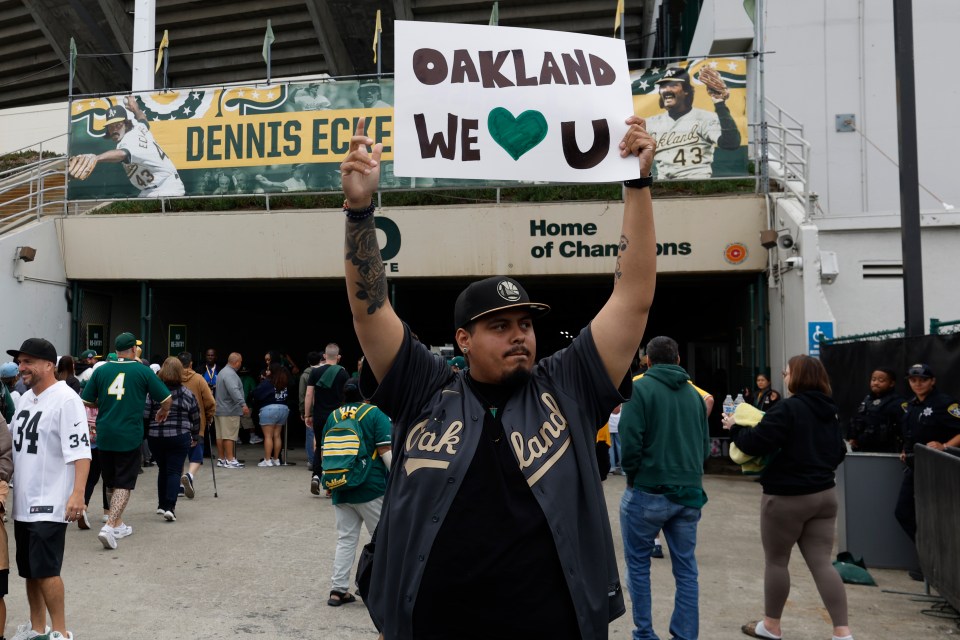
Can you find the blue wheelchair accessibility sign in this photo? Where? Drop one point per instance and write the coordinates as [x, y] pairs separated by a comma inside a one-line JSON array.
[[817, 331]]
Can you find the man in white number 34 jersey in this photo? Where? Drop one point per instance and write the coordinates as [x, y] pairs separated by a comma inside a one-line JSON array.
[[51, 458]]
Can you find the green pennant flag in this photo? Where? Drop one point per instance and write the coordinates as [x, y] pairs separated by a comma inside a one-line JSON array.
[[495, 15], [267, 42], [750, 6], [73, 56]]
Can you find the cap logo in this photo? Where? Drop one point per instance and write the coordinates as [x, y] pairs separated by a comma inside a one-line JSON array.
[[111, 113], [508, 291]]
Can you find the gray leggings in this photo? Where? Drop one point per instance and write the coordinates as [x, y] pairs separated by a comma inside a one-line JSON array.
[[809, 521]]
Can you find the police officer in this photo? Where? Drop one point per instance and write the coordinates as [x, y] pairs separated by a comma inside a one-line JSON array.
[[932, 418], [876, 426]]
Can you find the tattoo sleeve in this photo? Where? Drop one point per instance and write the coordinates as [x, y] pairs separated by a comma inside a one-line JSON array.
[[617, 273], [363, 252]]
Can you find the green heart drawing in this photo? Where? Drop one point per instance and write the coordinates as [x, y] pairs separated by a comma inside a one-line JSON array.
[[517, 135]]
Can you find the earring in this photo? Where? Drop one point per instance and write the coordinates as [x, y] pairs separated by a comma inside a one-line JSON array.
[[464, 351]]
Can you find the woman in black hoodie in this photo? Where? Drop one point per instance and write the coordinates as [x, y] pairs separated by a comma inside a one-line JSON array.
[[799, 505]]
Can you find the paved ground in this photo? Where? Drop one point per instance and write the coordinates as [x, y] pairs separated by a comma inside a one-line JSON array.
[[255, 562]]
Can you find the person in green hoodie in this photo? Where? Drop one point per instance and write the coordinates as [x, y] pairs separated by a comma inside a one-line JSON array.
[[664, 441]]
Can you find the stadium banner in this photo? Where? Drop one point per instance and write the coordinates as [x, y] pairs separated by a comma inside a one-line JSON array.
[[697, 112], [482, 102], [291, 137]]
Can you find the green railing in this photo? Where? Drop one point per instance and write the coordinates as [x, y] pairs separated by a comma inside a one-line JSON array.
[[862, 337], [937, 327]]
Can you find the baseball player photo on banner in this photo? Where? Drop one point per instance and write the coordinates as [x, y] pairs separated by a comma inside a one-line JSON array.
[[221, 141], [696, 110], [505, 103]]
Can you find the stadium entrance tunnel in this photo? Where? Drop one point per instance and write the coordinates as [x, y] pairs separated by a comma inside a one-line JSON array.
[[719, 320]]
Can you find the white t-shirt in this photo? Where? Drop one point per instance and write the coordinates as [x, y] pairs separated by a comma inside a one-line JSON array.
[[49, 432], [614, 422]]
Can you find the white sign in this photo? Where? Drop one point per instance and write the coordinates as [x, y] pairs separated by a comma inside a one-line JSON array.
[[502, 103]]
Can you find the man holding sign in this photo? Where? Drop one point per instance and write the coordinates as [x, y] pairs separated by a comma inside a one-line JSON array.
[[495, 523]]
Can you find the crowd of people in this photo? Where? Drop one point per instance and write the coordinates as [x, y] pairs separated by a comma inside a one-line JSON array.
[[498, 450]]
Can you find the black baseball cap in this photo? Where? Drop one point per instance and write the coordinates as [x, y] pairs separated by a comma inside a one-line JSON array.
[[920, 370], [37, 348], [493, 294]]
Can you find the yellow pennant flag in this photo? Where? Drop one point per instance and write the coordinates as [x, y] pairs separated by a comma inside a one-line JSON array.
[[616, 24], [376, 36], [164, 43]]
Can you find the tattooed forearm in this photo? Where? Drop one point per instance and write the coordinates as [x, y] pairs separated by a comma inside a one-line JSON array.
[[363, 252], [617, 273]]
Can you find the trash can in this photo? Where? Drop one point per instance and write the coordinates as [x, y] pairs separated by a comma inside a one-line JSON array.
[[867, 487]]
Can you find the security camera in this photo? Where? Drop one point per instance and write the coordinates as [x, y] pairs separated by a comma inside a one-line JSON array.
[[785, 241], [795, 262]]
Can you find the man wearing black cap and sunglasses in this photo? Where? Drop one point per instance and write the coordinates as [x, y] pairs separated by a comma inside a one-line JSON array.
[[932, 418], [51, 456], [494, 523]]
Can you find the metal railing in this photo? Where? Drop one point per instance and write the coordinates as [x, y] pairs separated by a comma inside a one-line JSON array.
[[788, 154], [42, 196], [950, 326]]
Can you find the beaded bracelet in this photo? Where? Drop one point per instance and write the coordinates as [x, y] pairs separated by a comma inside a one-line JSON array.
[[358, 215]]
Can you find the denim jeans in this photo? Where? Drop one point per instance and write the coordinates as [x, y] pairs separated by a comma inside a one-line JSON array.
[[309, 446], [615, 462], [642, 515], [169, 453]]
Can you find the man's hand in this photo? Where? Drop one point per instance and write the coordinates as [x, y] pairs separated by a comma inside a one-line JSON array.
[[130, 102], [360, 171], [75, 506], [639, 143], [246, 411]]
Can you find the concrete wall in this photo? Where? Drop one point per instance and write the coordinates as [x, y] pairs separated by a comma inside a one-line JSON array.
[[838, 57], [696, 235], [23, 127], [35, 307]]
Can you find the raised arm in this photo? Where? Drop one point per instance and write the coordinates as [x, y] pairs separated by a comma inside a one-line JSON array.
[[618, 328], [378, 328]]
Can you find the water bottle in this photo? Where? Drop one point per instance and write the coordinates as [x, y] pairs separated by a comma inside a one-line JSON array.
[[728, 405], [739, 401]]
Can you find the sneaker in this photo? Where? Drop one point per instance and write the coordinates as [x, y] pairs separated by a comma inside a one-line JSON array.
[[255, 439], [160, 511], [122, 531], [186, 483], [657, 551], [83, 521], [221, 462], [234, 464], [56, 635], [107, 539], [104, 519], [181, 492], [169, 516], [315, 485], [26, 632], [265, 463]]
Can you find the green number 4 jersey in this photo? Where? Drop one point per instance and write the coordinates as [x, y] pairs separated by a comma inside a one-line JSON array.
[[119, 389]]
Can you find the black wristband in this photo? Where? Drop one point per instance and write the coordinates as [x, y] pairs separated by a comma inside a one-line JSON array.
[[359, 214], [639, 183]]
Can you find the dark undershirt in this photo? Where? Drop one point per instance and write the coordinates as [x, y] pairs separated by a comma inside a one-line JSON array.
[[494, 572]]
